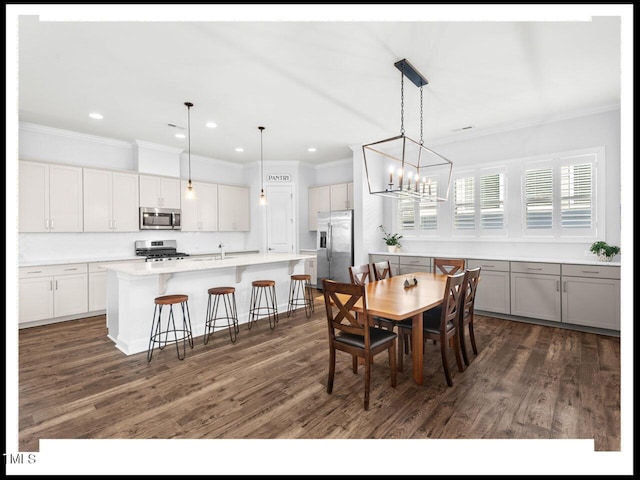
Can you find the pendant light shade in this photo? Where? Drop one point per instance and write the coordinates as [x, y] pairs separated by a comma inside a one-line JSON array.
[[190, 193], [263, 198], [400, 167]]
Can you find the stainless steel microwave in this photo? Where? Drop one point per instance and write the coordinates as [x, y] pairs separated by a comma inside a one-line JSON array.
[[159, 218]]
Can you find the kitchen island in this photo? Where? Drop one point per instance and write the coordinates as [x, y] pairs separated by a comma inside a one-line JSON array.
[[132, 287]]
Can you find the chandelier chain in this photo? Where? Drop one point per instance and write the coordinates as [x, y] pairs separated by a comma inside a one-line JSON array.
[[421, 139], [402, 101]]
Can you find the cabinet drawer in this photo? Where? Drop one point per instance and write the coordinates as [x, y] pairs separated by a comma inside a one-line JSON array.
[[535, 267], [50, 270], [393, 259], [97, 267], [416, 261], [591, 271], [489, 265]]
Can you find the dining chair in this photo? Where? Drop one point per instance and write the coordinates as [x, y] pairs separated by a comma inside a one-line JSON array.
[[381, 270], [352, 334], [440, 328], [467, 299], [448, 266], [360, 274]]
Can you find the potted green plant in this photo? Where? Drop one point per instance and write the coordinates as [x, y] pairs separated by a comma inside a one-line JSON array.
[[391, 239], [604, 251]]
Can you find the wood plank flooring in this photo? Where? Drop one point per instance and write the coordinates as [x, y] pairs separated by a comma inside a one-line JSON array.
[[528, 382]]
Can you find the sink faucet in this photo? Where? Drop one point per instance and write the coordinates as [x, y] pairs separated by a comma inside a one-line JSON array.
[[222, 254]]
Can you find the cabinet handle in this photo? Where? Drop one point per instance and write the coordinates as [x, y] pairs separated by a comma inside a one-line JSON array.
[[488, 266], [51, 224], [590, 271], [56, 284], [531, 268], [35, 271], [70, 269], [557, 285], [564, 286], [50, 285], [46, 224]]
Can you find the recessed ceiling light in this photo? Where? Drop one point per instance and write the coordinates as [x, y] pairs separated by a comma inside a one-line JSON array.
[[180, 135], [97, 116], [239, 149], [211, 124], [311, 149]]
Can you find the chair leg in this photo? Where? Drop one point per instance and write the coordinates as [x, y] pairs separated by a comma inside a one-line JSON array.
[[392, 364], [473, 338], [402, 339], [367, 380], [445, 362], [463, 347], [332, 369], [354, 363], [456, 350]]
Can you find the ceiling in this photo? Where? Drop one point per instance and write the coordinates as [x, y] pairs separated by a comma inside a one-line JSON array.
[[323, 84]]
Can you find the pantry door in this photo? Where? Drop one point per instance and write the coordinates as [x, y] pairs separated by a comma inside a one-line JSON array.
[[280, 221]]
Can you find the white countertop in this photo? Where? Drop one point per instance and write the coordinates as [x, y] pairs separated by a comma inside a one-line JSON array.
[[205, 263], [572, 261]]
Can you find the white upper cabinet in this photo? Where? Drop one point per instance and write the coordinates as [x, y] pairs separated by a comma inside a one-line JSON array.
[[162, 192], [233, 208], [319, 201], [342, 196], [201, 213], [110, 201], [50, 198]]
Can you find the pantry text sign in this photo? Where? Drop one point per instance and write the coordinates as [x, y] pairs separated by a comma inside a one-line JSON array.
[[278, 177]]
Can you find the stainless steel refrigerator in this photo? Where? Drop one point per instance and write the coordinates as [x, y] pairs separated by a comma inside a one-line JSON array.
[[334, 245]]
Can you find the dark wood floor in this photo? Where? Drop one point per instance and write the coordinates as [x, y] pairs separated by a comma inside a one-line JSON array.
[[528, 382]]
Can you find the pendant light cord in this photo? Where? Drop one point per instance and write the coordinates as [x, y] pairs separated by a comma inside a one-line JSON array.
[[189, 105], [261, 162]]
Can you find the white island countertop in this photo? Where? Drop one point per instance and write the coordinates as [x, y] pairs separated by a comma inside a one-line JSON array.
[[206, 263]]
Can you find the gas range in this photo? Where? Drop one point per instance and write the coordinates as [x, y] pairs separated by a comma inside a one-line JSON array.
[[159, 250]]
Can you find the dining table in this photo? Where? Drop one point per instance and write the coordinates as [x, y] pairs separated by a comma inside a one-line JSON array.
[[406, 296]]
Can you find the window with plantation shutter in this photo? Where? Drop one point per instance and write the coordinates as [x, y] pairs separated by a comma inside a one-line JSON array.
[[406, 214], [575, 196], [464, 214], [538, 198], [428, 210], [492, 201]]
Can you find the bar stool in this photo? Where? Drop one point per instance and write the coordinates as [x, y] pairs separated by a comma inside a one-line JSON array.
[[156, 328], [228, 296], [300, 294], [263, 301]]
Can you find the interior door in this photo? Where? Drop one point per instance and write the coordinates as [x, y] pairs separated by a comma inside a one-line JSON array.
[[280, 222]]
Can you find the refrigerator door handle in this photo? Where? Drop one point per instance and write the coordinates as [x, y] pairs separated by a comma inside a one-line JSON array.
[[329, 242]]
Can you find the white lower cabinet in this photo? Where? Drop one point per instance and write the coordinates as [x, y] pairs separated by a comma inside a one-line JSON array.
[[535, 290], [52, 291], [394, 261], [410, 264], [591, 296], [97, 287], [494, 289]]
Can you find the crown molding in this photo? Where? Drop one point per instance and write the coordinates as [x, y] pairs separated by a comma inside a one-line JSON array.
[[201, 158], [335, 163], [32, 127], [157, 146]]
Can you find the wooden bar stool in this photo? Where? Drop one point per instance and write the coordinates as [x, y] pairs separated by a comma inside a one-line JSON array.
[[157, 332], [263, 302], [228, 296], [300, 294]]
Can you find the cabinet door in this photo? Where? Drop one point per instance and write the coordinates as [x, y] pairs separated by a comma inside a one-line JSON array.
[[339, 196], [493, 294], [170, 192], [70, 294], [97, 200], [207, 200], [35, 299], [594, 302], [350, 195], [65, 199], [149, 191], [189, 212], [535, 296], [319, 201], [33, 200], [233, 208], [97, 291], [125, 202]]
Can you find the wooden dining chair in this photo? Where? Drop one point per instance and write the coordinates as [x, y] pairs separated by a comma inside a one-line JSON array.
[[381, 270], [440, 328], [360, 274], [352, 334], [448, 266], [467, 299]]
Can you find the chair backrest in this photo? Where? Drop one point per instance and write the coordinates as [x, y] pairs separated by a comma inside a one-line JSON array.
[[340, 315], [448, 266], [467, 300], [360, 274], [381, 270], [451, 302]]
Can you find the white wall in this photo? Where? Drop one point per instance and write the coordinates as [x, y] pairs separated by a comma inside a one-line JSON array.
[[340, 171], [602, 129]]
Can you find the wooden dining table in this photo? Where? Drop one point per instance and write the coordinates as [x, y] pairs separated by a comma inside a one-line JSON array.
[[389, 298]]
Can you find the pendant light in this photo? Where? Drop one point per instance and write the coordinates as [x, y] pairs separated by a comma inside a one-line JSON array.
[[190, 193], [263, 199], [403, 168]]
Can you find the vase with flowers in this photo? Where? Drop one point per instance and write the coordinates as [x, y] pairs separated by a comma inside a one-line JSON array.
[[391, 239], [604, 251]]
